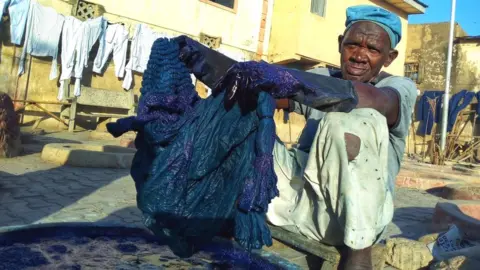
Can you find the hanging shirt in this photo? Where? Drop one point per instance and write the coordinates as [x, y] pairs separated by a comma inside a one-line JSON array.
[[71, 27], [44, 26], [3, 5], [18, 10], [141, 47], [79, 38], [116, 41]]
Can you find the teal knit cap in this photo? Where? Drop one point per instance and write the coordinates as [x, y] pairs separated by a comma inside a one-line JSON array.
[[387, 20]]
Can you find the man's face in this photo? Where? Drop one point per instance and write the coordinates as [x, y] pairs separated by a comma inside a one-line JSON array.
[[364, 50]]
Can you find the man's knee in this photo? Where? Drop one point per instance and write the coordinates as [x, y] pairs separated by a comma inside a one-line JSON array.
[[352, 143]]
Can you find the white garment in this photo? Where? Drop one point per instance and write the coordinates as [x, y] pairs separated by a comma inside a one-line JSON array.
[[3, 5], [44, 26], [71, 27], [142, 43], [18, 10], [80, 40], [325, 197], [116, 40]]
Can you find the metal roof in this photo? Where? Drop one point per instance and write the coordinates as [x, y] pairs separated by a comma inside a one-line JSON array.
[[409, 6]]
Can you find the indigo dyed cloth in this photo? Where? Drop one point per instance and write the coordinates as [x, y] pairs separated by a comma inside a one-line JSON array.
[[425, 114], [478, 103], [458, 102], [201, 165]]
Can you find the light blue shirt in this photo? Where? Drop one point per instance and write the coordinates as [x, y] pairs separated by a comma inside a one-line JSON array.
[[407, 94], [18, 10]]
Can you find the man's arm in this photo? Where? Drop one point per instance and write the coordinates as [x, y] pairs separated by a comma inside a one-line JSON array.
[[385, 100]]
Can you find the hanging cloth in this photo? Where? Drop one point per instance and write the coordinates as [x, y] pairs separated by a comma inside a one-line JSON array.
[[458, 102], [44, 26], [79, 38], [116, 41], [140, 49], [18, 10], [426, 114]]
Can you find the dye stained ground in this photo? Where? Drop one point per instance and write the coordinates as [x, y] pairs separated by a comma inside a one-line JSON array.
[[33, 191]]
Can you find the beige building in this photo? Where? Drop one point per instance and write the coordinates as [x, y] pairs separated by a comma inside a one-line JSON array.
[[305, 33], [426, 60]]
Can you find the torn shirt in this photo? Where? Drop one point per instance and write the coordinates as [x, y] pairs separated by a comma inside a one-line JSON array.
[[18, 10], [141, 47], [116, 41], [44, 26]]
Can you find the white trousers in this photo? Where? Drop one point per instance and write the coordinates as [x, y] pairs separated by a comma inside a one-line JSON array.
[[327, 198]]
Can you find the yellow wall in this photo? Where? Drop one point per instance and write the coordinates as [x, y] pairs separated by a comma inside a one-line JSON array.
[[296, 32]]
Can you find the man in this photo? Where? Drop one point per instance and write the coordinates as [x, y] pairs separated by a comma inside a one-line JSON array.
[[337, 185]]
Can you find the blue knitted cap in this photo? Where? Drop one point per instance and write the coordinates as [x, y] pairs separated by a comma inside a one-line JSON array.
[[387, 20]]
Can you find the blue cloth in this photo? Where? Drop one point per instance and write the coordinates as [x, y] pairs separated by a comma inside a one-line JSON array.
[[201, 164], [478, 103], [425, 114], [458, 102], [389, 21], [18, 10]]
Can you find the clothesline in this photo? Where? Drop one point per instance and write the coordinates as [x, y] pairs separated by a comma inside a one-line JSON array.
[[78, 39]]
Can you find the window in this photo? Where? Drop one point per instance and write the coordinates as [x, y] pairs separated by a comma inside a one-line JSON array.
[[318, 7], [412, 71], [230, 4], [86, 10]]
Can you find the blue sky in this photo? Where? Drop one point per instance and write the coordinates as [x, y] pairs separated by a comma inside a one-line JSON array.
[[467, 15]]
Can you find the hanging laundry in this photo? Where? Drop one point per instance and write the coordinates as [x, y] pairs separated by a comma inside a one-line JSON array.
[[457, 103], [116, 41], [18, 10], [44, 26], [237, 56], [141, 47], [425, 114], [70, 31], [3, 6], [79, 39], [478, 103]]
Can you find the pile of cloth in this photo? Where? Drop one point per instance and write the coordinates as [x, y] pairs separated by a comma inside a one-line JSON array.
[[203, 165], [10, 142]]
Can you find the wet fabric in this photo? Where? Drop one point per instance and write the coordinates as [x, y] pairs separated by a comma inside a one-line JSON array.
[[202, 164], [478, 103], [44, 26], [458, 102], [425, 114]]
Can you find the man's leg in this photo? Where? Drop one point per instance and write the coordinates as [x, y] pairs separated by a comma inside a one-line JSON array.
[[347, 169]]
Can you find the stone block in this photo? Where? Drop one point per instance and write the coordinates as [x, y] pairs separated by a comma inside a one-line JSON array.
[[464, 214], [406, 254], [88, 155]]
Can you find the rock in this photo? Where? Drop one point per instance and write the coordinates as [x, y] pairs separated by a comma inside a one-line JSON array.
[[10, 139], [406, 254], [464, 214], [429, 238], [460, 262], [461, 192]]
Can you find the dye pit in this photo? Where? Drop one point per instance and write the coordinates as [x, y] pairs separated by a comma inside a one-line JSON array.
[[118, 248]]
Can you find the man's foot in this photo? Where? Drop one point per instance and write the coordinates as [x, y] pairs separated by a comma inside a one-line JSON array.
[[357, 259]]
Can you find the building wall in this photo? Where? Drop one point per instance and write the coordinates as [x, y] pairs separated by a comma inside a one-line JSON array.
[[239, 31], [466, 68], [297, 33], [428, 46]]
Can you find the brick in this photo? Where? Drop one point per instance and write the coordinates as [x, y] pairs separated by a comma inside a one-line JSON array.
[[261, 35]]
